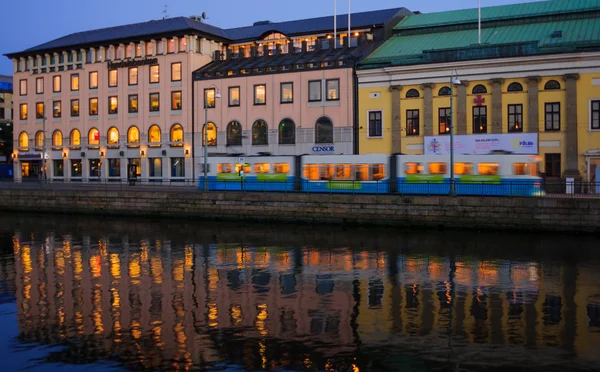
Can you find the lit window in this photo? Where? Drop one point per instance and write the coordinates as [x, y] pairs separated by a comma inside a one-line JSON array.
[[57, 139], [149, 48], [39, 110], [56, 84], [133, 103], [94, 80], [211, 135], [314, 91], [281, 168], [245, 167], [437, 168], [133, 135], [74, 108], [515, 118], [133, 76], [260, 94], [361, 172], [262, 167], [413, 168], [224, 168], [23, 111], [155, 167], [177, 135], [412, 122], [75, 82], [444, 120], [154, 135], [488, 169], [209, 98], [177, 167], [154, 74], [154, 102], [23, 87], [39, 139], [325, 171], [311, 171], [287, 93], [183, 44], [333, 89], [463, 168], [24, 140], [93, 106], [171, 46], [113, 136], [93, 137], [75, 138], [112, 78], [378, 171], [176, 71], [234, 96], [113, 105], [128, 51], [57, 109], [176, 100], [343, 172], [520, 169], [39, 85]]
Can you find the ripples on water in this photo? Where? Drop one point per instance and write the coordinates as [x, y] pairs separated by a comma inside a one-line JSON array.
[[170, 295]]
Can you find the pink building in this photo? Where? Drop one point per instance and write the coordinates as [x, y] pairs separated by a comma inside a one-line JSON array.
[[107, 104]]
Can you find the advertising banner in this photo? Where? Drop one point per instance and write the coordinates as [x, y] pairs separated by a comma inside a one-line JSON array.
[[481, 144]]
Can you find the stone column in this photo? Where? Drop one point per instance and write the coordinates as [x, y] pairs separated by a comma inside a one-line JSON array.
[[396, 120], [461, 108], [497, 105], [533, 113], [571, 126], [427, 109]]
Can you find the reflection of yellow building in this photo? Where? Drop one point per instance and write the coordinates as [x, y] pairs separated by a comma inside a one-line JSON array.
[[534, 72]]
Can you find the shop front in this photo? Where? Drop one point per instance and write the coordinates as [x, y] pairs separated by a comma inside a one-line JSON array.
[[31, 165]]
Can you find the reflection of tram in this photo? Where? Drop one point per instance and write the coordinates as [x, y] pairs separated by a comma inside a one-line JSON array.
[[377, 173]]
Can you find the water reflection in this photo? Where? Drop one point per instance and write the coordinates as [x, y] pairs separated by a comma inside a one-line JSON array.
[[178, 296]]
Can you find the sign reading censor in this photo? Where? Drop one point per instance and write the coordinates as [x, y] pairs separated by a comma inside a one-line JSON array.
[[522, 143]]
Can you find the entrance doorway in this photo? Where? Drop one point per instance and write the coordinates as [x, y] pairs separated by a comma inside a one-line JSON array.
[[31, 169]]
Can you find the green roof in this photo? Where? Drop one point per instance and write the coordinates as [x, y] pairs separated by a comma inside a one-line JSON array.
[[526, 29], [497, 13]]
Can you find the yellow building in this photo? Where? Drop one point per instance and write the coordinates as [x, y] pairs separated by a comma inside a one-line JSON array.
[[536, 80]]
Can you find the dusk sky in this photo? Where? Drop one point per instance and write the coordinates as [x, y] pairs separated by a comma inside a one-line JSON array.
[[29, 23]]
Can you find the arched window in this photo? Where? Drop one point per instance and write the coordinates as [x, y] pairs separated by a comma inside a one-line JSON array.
[[133, 135], [113, 136], [260, 133], [515, 87], [176, 135], [287, 132], [444, 91], [210, 134], [57, 138], [479, 89], [75, 138], [413, 93], [93, 137], [234, 134], [154, 135], [39, 139], [552, 85], [324, 131], [24, 140]]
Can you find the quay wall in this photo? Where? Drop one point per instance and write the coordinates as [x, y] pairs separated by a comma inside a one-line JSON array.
[[559, 214]]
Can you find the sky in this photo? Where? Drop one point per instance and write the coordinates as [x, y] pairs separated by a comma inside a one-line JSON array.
[[28, 23]]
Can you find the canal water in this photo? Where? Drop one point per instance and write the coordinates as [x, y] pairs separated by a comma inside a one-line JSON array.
[[85, 293]]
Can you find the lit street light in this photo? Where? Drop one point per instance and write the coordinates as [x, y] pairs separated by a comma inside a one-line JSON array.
[[454, 80]]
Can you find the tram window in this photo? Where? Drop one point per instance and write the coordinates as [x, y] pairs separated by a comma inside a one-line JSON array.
[[281, 168], [325, 171], [533, 169], [413, 168], [378, 172], [437, 168], [488, 169], [246, 168], [311, 171], [361, 172], [224, 168], [520, 169], [343, 172], [262, 167], [463, 168]]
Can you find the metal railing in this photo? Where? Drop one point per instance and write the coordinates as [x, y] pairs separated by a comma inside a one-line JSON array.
[[560, 189]]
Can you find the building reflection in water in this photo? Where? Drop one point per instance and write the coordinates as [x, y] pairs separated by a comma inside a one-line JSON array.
[[153, 303]]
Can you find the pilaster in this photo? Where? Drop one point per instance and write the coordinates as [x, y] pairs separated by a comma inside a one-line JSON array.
[[571, 127], [497, 105], [396, 121], [533, 113], [427, 109]]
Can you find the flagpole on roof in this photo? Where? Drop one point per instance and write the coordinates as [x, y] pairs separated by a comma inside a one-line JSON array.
[[334, 25], [479, 20]]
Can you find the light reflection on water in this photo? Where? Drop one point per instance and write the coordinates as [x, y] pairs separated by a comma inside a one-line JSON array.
[[176, 296]]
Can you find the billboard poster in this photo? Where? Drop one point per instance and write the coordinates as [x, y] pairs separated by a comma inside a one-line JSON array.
[[482, 144]]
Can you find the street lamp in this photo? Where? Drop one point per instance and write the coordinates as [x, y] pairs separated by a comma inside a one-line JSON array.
[[454, 80], [44, 139], [205, 132]]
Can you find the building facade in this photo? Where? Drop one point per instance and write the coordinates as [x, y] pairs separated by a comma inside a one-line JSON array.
[[6, 114], [106, 104], [534, 82]]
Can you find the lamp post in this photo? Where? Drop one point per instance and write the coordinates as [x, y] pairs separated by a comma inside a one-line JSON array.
[[205, 132], [454, 80], [44, 140]]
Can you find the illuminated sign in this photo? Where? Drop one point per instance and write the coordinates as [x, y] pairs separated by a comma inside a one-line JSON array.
[[134, 63]]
